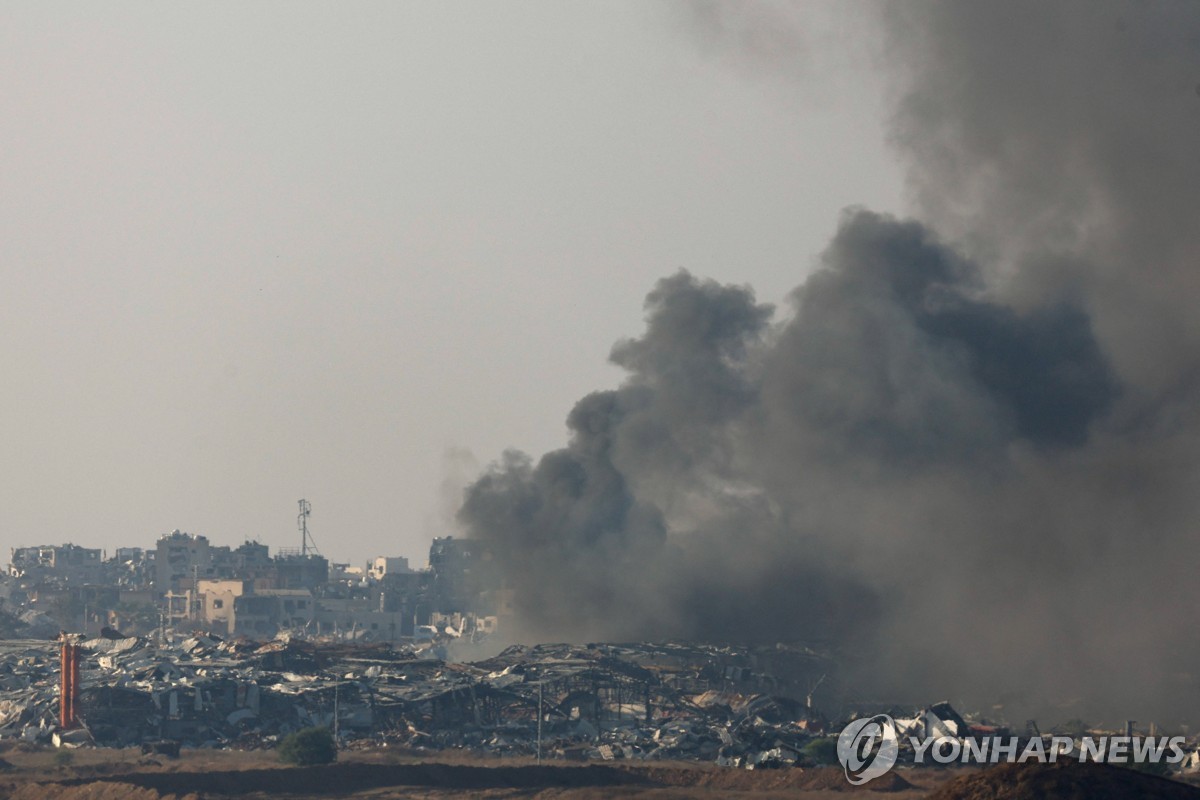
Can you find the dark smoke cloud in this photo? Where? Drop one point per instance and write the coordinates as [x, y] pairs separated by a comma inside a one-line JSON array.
[[894, 350], [967, 453], [1061, 139]]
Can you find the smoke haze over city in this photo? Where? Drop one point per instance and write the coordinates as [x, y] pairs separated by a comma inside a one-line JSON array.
[[871, 325]]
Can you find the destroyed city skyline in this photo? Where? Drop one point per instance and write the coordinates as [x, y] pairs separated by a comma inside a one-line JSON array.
[[958, 449]]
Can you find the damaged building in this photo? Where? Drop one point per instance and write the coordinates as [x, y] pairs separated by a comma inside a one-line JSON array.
[[595, 701], [67, 563]]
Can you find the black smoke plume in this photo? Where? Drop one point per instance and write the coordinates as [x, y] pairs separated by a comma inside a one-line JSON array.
[[967, 452]]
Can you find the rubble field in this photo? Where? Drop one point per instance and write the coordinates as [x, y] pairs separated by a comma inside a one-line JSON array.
[[195, 716], [601, 702]]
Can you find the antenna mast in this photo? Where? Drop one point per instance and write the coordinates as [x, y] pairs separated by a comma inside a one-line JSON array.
[[302, 523]]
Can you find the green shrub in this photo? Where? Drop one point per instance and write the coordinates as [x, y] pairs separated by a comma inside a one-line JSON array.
[[821, 751], [64, 758], [308, 746]]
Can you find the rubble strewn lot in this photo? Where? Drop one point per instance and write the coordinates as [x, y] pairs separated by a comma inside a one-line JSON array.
[[644, 720], [604, 702]]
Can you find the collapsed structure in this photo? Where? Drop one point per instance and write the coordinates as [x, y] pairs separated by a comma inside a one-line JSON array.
[[733, 705]]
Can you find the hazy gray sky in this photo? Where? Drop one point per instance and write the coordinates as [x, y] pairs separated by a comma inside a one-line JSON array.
[[254, 252]]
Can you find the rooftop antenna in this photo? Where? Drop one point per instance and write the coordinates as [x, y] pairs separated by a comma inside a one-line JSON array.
[[302, 523]]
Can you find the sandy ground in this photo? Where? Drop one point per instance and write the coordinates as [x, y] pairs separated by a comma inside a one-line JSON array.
[[41, 773], [100, 774]]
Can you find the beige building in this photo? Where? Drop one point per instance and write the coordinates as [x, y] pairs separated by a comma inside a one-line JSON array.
[[247, 608], [385, 565], [217, 600]]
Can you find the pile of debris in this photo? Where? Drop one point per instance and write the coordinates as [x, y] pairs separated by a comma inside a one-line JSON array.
[[728, 705]]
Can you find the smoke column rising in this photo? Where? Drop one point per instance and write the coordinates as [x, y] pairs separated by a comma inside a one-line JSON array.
[[967, 450]]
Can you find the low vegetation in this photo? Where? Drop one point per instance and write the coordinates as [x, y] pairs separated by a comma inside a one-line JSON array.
[[308, 746]]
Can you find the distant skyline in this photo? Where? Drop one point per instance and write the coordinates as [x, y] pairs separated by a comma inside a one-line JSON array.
[[353, 252]]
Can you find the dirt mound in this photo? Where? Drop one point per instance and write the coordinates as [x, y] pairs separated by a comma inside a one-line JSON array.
[[345, 779], [806, 779], [98, 790], [337, 779], [1068, 780], [891, 782]]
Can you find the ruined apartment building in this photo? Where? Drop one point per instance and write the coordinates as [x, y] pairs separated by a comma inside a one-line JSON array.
[[247, 607], [66, 563]]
